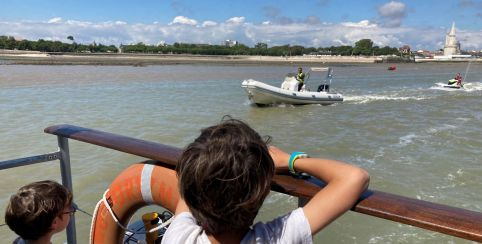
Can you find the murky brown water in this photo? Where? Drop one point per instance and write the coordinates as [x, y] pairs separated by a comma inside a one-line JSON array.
[[415, 140]]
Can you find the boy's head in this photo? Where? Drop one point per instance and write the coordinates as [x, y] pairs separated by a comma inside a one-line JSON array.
[[225, 175], [33, 211]]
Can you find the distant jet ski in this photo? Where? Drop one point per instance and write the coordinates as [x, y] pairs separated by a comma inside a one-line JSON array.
[[455, 84]]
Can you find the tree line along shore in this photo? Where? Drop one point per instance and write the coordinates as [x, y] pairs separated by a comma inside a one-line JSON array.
[[363, 47], [14, 51]]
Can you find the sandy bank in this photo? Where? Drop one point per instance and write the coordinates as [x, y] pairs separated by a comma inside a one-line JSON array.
[[159, 59]]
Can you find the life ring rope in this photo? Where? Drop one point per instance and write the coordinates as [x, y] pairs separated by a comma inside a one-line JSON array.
[[107, 206], [146, 195], [92, 225]]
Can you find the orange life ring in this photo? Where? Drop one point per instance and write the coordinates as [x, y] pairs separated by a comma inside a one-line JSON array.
[[139, 185]]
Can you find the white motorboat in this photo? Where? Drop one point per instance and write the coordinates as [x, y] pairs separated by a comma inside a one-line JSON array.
[[263, 94]]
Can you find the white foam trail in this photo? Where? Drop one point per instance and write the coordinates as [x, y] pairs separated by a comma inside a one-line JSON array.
[[434, 130], [468, 87], [440, 86], [452, 180], [405, 140], [473, 86], [372, 98], [424, 136]]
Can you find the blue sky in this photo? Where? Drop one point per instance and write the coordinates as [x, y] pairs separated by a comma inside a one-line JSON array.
[[420, 23]]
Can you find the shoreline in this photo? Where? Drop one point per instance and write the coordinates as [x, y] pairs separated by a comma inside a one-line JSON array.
[[9, 57], [15, 57]]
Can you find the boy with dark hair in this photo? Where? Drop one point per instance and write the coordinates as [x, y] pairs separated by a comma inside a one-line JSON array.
[[225, 175], [39, 210]]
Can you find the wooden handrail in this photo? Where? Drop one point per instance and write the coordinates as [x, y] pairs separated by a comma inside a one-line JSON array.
[[427, 215]]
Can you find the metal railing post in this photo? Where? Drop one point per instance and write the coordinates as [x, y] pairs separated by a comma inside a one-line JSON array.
[[67, 182]]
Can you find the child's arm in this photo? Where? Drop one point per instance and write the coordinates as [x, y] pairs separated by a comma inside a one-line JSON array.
[[344, 184]]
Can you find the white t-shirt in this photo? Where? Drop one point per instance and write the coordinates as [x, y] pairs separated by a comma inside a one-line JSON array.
[[290, 228]]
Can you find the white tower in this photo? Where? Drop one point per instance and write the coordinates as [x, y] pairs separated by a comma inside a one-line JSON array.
[[452, 46]]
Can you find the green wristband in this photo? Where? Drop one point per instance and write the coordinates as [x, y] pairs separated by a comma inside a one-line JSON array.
[[294, 156]]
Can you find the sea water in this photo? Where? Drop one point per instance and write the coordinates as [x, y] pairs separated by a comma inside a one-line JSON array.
[[414, 138]]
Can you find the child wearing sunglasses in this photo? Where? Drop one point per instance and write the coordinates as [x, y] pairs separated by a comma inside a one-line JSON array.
[[39, 210]]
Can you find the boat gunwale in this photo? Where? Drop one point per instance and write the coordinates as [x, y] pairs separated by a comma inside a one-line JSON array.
[[463, 223]]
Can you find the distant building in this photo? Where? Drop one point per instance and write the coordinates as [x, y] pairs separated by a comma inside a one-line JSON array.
[[230, 43], [405, 50], [452, 46], [451, 49], [425, 53]]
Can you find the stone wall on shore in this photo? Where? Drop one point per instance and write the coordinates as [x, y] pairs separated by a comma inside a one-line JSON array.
[[35, 57], [26, 57]]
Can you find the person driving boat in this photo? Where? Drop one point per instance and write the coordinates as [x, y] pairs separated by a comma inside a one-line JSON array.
[[300, 77]]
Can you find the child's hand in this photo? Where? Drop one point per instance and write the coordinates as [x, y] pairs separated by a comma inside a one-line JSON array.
[[280, 159]]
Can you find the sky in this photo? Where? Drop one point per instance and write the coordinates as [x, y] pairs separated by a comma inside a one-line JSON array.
[[421, 24]]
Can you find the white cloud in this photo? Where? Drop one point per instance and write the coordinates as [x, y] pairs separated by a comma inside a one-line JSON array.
[[236, 20], [55, 20], [393, 13], [392, 9], [313, 20], [361, 24], [274, 33], [78, 23], [470, 40], [209, 23], [183, 21]]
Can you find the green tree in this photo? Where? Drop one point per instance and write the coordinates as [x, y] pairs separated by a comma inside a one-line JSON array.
[[261, 45], [363, 47], [10, 43], [364, 43], [260, 49], [24, 45], [3, 42]]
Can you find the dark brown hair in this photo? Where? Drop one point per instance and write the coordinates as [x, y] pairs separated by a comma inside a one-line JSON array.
[[225, 175], [33, 208]]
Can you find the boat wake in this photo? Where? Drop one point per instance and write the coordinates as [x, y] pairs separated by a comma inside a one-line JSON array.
[[374, 98], [468, 87], [473, 86], [425, 135]]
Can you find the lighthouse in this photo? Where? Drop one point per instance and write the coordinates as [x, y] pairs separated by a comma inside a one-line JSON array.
[[452, 46]]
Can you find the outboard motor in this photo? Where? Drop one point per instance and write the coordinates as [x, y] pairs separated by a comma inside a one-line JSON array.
[[326, 87], [323, 87]]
